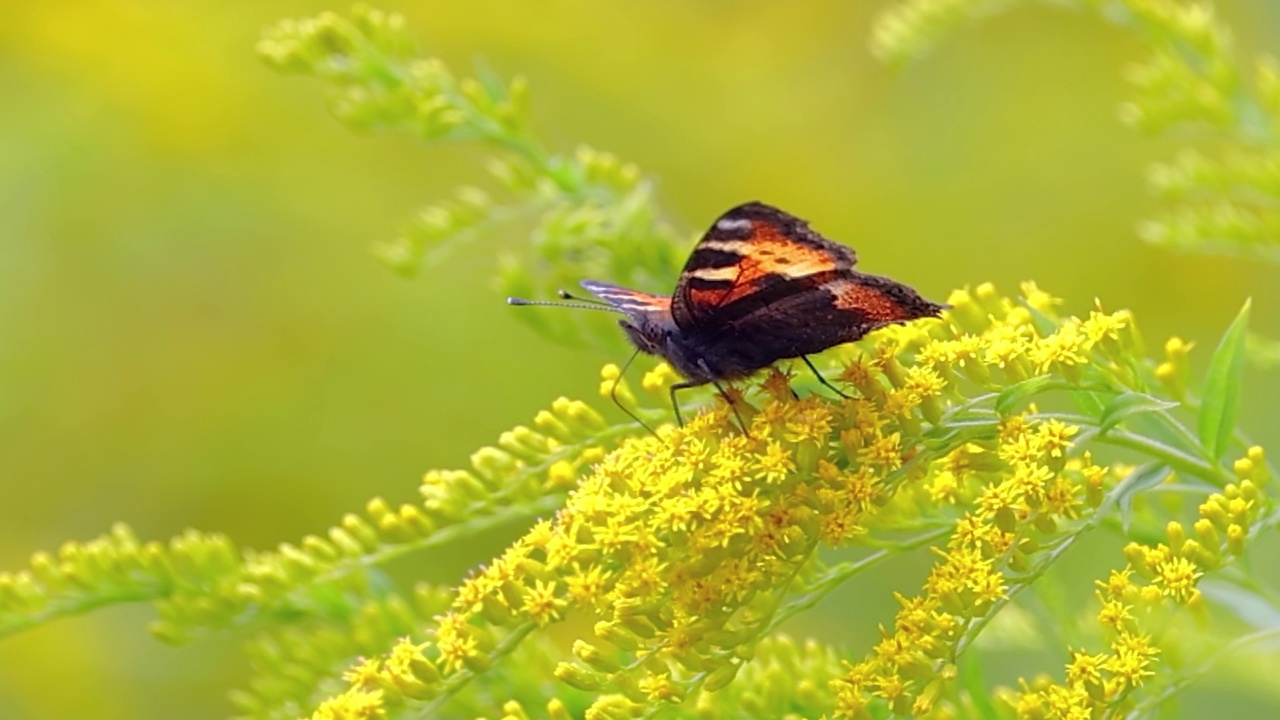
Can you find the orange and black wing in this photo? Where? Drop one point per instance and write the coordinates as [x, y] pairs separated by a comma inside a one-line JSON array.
[[762, 286], [750, 257], [791, 323]]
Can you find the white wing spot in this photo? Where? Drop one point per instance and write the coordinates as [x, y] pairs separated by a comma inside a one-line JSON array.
[[728, 272], [731, 224], [731, 246]]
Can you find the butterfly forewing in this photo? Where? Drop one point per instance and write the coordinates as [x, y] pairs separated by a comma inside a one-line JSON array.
[[750, 257]]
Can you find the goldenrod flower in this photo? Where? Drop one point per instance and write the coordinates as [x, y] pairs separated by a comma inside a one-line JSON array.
[[354, 704], [682, 550]]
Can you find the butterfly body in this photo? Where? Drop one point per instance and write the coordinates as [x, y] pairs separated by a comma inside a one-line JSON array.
[[759, 287]]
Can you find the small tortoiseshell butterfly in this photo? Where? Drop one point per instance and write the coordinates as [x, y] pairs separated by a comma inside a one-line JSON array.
[[759, 287]]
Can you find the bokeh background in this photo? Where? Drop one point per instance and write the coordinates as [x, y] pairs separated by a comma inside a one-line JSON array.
[[193, 332]]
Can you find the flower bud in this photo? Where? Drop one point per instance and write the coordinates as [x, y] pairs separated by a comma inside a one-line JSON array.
[[580, 677]]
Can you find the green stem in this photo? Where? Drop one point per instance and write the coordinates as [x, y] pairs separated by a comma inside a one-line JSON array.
[[1170, 456], [62, 607], [837, 575]]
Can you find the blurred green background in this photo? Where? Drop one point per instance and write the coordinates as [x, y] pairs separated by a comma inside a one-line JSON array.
[[193, 331]]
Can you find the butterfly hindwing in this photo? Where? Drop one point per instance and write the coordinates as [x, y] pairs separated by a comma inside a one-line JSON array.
[[750, 256], [838, 310]]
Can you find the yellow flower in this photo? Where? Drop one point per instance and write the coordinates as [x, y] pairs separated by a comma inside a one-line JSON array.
[[659, 378], [1054, 437], [541, 603], [408, 668], [924, 381], [365, 673], [1006, 343], [615, 533], [1039, 299], [1062, 499], [658, 686], [1101, 326], [775, 462], [1114, 614], [987, 584], [999, 502], [1065, 348], [587, 584], [1133, 655], [892, 687], [1085, 669], [1177, 578], [354, 704], [840, 519], [812, 421], [456, 641], [944, 488], [1119, 583], [1068, 703], [884, 452]]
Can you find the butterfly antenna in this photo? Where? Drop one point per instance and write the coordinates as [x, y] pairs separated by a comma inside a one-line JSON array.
[[613, 394], [581, 304], [566, 295]]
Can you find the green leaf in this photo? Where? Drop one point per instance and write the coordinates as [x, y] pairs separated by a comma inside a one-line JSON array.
[[1019, 392], [1142, 478], [1251, 607], [1087, 402], [1130, 403], [1222, 388]]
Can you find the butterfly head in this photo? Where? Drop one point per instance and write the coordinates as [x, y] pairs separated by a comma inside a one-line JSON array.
[[649, 333], [646, 318]]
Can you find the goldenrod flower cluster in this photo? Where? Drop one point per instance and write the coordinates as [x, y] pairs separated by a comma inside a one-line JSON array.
[[681, 551], [202, 582], [1015, 514], [1163, 574], [676, 556]]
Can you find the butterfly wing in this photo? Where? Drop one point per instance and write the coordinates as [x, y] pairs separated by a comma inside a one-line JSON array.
[[762, 286], [631, 302], [751, 249], [809, 320]]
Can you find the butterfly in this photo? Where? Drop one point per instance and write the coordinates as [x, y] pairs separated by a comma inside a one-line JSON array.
[[759, 287]]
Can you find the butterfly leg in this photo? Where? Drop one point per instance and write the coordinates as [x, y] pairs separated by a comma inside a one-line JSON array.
[[613, 395], [675, 405], [732, 406], [821, 379]]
